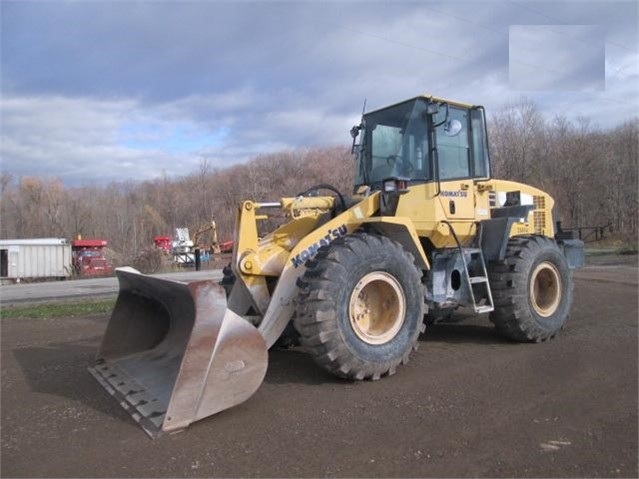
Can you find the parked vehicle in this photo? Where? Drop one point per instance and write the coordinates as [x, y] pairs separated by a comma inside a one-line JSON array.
[[88, 257], [34, 258], [163, 243]]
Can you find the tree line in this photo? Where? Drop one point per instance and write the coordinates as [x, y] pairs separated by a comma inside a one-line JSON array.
[[591, 173], [129, 214]]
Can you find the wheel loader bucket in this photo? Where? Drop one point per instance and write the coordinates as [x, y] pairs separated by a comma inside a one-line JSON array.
[[174, 353]]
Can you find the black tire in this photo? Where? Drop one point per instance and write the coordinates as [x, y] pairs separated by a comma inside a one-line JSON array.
[[334, 296], [532, 289]]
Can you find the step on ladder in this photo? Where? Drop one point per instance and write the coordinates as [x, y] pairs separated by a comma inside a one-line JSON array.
[[477, 280], [478, 285]]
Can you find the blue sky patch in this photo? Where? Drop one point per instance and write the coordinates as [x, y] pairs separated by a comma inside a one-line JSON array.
[[180, 137]]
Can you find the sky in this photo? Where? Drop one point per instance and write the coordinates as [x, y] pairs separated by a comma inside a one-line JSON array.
[[93, 92]]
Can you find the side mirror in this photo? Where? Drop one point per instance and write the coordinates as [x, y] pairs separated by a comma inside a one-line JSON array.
[[355, 133], [432, 108], [453, 127]]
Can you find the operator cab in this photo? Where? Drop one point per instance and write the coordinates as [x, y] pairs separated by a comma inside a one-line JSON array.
[[421, 140]]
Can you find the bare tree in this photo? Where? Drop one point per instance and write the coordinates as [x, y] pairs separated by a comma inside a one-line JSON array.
[[591, 173], [517, 141]]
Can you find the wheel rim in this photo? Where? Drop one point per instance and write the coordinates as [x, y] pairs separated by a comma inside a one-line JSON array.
[[545, 289], [377, 308]]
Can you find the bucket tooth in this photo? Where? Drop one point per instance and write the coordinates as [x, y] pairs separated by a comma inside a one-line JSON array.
[[174, 353]]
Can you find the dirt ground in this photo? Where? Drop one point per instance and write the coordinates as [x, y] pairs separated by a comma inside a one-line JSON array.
[[468, 404]]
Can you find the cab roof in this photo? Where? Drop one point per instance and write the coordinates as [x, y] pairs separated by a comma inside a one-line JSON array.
[[427, 96]]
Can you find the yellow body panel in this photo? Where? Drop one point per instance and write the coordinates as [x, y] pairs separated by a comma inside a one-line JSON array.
[[465, 202], [427, 208], [268, 256], [283, 252], [425, 211]]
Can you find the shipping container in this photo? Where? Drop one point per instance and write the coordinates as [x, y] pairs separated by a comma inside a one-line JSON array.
[[35, 258]]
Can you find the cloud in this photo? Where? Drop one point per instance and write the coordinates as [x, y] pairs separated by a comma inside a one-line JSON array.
[[101, 91], [556, 57], [80, 138], [74, 139]]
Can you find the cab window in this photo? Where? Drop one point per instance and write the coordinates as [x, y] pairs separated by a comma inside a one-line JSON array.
[[480, 148], [453, 151]]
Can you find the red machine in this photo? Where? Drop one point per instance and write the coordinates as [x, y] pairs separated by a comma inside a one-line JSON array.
[[163, 243], [88, 257], [226, 246]]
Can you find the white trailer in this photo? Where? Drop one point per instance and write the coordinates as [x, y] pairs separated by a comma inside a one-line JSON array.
[[35, 258]]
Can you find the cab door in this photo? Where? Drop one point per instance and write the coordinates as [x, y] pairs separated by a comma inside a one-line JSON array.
[[457, 196]]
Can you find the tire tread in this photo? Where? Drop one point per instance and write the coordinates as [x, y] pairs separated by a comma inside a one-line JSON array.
[[316, 318]]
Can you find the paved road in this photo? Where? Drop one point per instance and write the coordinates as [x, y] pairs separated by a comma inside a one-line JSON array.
[[98, 287], [468, 404]]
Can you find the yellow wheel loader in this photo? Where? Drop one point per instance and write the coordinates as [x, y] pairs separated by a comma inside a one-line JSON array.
[[354, 279]]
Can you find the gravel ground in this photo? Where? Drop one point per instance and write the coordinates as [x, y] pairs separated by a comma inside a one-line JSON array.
[[468, 404]]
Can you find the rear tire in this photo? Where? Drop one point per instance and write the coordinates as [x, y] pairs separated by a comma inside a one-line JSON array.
[[532, 289], [361, 306]]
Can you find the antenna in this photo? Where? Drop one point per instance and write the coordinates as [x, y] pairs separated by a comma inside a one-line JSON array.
[[356, 129]]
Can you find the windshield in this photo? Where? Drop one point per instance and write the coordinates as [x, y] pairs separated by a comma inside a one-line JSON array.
[[395, 144]]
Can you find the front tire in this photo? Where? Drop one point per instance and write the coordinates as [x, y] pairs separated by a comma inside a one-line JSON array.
[[532, 289], [361, 306]]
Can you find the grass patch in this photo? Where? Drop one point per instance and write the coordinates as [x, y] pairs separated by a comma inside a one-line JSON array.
[[629, 250], [58, 310], [611, 250]]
